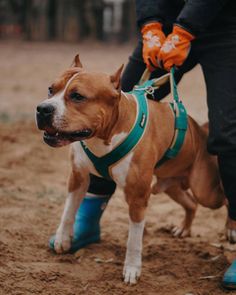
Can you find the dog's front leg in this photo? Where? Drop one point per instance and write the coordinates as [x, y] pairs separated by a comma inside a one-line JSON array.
[[77, 188], [133, 260]]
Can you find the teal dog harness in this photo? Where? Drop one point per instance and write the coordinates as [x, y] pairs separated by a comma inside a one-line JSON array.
[[102, 164]]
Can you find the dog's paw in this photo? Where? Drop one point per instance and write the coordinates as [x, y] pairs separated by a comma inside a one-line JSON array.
[[180, 232], [131, 274], [62, 243], [231, 235]]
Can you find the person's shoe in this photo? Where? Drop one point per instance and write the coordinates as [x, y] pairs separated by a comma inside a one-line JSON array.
[[87, 223], [229, 279]]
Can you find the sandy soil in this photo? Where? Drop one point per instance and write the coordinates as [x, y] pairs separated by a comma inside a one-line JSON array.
[[33, 186]]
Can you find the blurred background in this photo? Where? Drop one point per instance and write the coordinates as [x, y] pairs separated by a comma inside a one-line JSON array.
[[71, 20]]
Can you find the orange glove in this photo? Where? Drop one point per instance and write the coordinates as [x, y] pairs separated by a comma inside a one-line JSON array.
[[153, 38], [176, 48]]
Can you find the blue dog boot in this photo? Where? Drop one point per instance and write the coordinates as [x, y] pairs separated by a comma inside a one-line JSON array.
[[87, 223], [229, 279]]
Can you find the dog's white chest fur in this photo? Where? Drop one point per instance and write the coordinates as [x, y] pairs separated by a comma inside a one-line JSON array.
[[119, 170]]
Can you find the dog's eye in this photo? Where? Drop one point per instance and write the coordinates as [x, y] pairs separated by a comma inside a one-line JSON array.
[[50, 92], [75, 96]]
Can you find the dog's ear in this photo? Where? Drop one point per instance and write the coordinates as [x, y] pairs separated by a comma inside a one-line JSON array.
[[115, 78], [76, 62]]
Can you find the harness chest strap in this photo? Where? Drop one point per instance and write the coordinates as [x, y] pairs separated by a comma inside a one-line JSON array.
[[102, 164]]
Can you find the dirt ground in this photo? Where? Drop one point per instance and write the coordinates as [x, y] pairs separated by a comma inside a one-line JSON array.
[[33, 180]]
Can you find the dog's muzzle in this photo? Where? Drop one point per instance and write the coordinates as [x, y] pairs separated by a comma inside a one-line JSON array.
[[44, 115], [53, 136]]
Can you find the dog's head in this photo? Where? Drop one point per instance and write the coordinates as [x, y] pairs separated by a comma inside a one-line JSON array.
[[80, 105]]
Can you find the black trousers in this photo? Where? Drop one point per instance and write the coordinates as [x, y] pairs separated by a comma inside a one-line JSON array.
[[215, 51]]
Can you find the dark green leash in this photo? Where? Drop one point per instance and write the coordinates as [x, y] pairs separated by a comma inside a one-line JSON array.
[[102, 164]]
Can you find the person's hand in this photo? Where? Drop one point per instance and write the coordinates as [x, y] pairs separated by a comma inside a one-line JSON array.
[[176, 48], [153, 38]]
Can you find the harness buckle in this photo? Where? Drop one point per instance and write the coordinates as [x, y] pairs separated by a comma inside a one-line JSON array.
[[150, 90], [175, 104]]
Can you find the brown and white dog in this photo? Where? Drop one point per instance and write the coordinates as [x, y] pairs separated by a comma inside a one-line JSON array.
[[90, 106]]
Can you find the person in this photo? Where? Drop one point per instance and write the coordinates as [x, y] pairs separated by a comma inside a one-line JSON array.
[[182, 34]]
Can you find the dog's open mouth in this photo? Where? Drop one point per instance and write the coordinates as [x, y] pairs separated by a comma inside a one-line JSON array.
[[57, 139]]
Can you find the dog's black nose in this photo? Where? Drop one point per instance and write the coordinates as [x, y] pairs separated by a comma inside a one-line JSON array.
[[44, 115], [45, 109]]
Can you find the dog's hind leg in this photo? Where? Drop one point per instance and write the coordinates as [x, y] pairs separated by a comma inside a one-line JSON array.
[[204, 181], [188, 202]]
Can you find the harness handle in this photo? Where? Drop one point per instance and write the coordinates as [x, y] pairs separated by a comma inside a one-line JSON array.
[[145, 77], [157, 82], [173, 85]]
